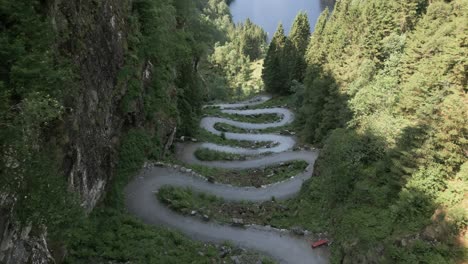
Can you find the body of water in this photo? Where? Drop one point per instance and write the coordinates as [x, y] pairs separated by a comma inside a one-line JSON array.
[[269, 13]]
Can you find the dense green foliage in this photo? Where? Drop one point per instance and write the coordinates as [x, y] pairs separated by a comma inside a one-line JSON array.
[[112, 236], [197, 204], [256, 119], [33, 82], [385, 95], [285, 63], [299, 38], [381, 85], [252, 177], [206, 136], [159, 85], [236, 60], [169, 36], [175, 34], [251, 40], [212, 155], [274, 74]]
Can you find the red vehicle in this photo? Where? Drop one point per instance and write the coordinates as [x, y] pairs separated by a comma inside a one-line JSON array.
[[319, 243]]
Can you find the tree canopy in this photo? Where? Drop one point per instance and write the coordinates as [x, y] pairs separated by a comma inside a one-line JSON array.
[[385, 95], [285, 61]]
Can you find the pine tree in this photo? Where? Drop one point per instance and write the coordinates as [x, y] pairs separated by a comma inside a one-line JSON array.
[[300, 32], [315, 51], [299, 37], [408, 14], [251, 40], [386, 85], [274, 75]]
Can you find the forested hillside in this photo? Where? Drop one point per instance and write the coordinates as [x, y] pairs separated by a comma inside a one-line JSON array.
[[384, 95], [89, 91]]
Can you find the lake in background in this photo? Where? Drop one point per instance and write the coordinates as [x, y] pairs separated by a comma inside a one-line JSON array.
[[269, 13]]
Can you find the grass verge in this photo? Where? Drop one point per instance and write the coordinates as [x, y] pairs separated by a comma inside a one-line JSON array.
[[279, 101], [206, 136], [229, 128], [256, 119], [280, 214], [251, 177], [110, 235], [212, 155]]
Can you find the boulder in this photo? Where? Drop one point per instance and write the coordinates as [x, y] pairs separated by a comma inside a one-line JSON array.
[[224, 251], [210, 179], [237, 222], [206, 218], [236, 259], [159, 164], [185, 170], [297, 230]]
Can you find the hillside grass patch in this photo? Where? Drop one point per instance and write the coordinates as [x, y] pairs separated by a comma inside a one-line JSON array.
[[252, 177]]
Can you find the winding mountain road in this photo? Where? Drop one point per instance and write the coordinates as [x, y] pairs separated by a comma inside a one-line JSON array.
[[284, 247]]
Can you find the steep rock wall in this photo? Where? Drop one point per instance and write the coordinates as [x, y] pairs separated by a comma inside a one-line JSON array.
[[18, 244], [96, 44], [93, 35]]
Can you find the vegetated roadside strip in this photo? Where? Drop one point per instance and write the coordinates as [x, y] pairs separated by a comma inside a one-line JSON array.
[[286, 130], [256, 177], [254, 118], [239, 213], [216, 132], [285, 247], [277, 102], [209, 207], [284, 143], [205, 136]]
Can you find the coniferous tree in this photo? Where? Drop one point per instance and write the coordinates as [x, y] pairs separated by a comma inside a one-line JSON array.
[[396, 67], [285, 60], [252, 40], [233, 58], [408, 14], [300, 32], [299, 38], [314, 54], [275, 75]]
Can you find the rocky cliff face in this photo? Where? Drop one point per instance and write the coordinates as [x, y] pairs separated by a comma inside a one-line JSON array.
[[18, 244], [97, 46], [93, 34]]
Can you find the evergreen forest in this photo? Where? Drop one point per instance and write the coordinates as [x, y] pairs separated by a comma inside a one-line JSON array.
[[384, 95], [94, 93]]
